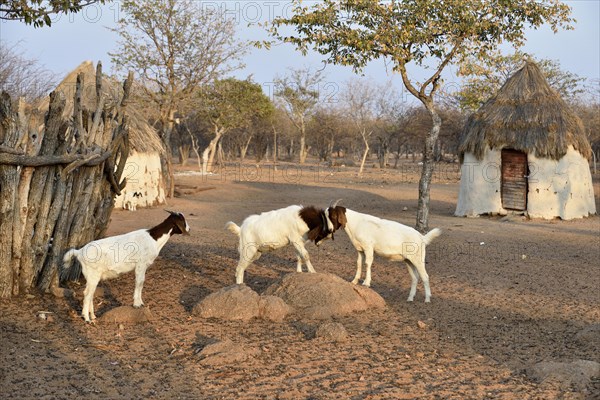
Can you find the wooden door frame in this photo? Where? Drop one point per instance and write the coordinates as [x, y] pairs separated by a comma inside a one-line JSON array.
[[502, 176]]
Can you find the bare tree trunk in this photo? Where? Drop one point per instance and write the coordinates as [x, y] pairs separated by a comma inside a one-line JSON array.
[[184, 153], [274, 147], [209, 152], [365, 138], [427, 172], [221, 154], [303, 151], [168, 123], [57, 187], [244, 149]]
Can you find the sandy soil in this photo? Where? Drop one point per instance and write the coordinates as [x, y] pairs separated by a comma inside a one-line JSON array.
[[506, 293]]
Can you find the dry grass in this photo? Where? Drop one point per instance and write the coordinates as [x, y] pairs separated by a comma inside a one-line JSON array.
[[142, 137], [526, 115]]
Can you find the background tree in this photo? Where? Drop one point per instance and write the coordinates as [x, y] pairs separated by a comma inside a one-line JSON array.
[[359, 98], [39, 12], [370, 108], [175, 47], [587, 108], [427, 33], [485, 76], [325, 127], [226, 105], [298, 94], [24, 77]]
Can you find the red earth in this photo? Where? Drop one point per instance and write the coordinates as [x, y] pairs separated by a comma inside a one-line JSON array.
[[507, 293]]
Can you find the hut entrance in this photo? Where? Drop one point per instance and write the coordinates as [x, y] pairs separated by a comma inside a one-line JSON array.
[[514, 180]]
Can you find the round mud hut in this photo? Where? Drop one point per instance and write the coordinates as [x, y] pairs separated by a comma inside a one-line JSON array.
[[143, 171], [525, 151]]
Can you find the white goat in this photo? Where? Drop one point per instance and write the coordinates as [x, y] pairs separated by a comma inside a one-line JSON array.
[[275, 229], [388, 239], [112, 256]]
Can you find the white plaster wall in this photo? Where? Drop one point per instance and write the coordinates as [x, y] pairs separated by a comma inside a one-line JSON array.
[[560, 188], [143, 173], [480, 182]]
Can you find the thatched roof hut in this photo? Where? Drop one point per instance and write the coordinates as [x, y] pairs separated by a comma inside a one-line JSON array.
[[525, 150], [526, 115], [143, 169]]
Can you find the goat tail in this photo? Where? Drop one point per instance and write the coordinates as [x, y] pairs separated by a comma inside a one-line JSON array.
[[432, 234], [66, 272], [233, 228]]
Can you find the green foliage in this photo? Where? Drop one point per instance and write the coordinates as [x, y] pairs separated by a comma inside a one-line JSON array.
[[485, 77], [230, 104], [38, 12], [429, 33]]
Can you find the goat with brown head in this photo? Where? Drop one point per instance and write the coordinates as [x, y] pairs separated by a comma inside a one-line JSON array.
[[175, 224], [337, 215]]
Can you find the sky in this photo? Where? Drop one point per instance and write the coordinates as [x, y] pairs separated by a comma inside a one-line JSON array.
[[75, 38]]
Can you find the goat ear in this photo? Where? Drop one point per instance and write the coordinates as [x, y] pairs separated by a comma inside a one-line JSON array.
[[341, 216]]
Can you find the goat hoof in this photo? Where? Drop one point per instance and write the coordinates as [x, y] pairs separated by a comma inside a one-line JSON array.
[[354, 282], [427, 301], [366, 284], [409, 300]]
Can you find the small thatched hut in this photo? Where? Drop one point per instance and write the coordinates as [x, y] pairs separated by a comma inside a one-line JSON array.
[[525, 150], [143, 170]]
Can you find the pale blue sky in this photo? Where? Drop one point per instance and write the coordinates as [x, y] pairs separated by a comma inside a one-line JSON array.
[[75, 38]]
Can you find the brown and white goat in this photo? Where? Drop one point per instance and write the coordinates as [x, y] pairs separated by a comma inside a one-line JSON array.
[[112, 256], [389, 239], [272, 230]]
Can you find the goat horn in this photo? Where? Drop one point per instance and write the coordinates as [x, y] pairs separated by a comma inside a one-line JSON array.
[[170, 212], [334, 204]]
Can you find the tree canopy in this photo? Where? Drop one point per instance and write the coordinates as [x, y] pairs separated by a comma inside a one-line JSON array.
[[25, 77], [39, 12], [298, 94], [231, 103]]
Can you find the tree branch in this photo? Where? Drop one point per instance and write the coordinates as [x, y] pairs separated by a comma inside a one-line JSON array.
[[42, 161]]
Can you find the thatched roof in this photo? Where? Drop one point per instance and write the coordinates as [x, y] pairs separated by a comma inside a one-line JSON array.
[[527, 115], [142, 136]]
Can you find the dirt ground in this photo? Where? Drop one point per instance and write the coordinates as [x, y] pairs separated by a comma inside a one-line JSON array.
[[506, 293]]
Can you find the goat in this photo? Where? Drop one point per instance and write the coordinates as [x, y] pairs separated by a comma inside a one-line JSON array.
[[275, 229], [112, 256], [386, 238]]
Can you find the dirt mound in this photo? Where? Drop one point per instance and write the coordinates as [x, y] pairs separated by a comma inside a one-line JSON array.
[[333, 331], [273, 308], [225, 352], [239, 302], [322, 296], [127, 315], [578, 373], [236, 302]]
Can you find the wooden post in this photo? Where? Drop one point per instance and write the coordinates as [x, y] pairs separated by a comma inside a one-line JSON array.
[[57, 187]]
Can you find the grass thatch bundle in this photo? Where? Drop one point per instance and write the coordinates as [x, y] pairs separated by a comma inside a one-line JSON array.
[[527, 115], [142, 136]]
